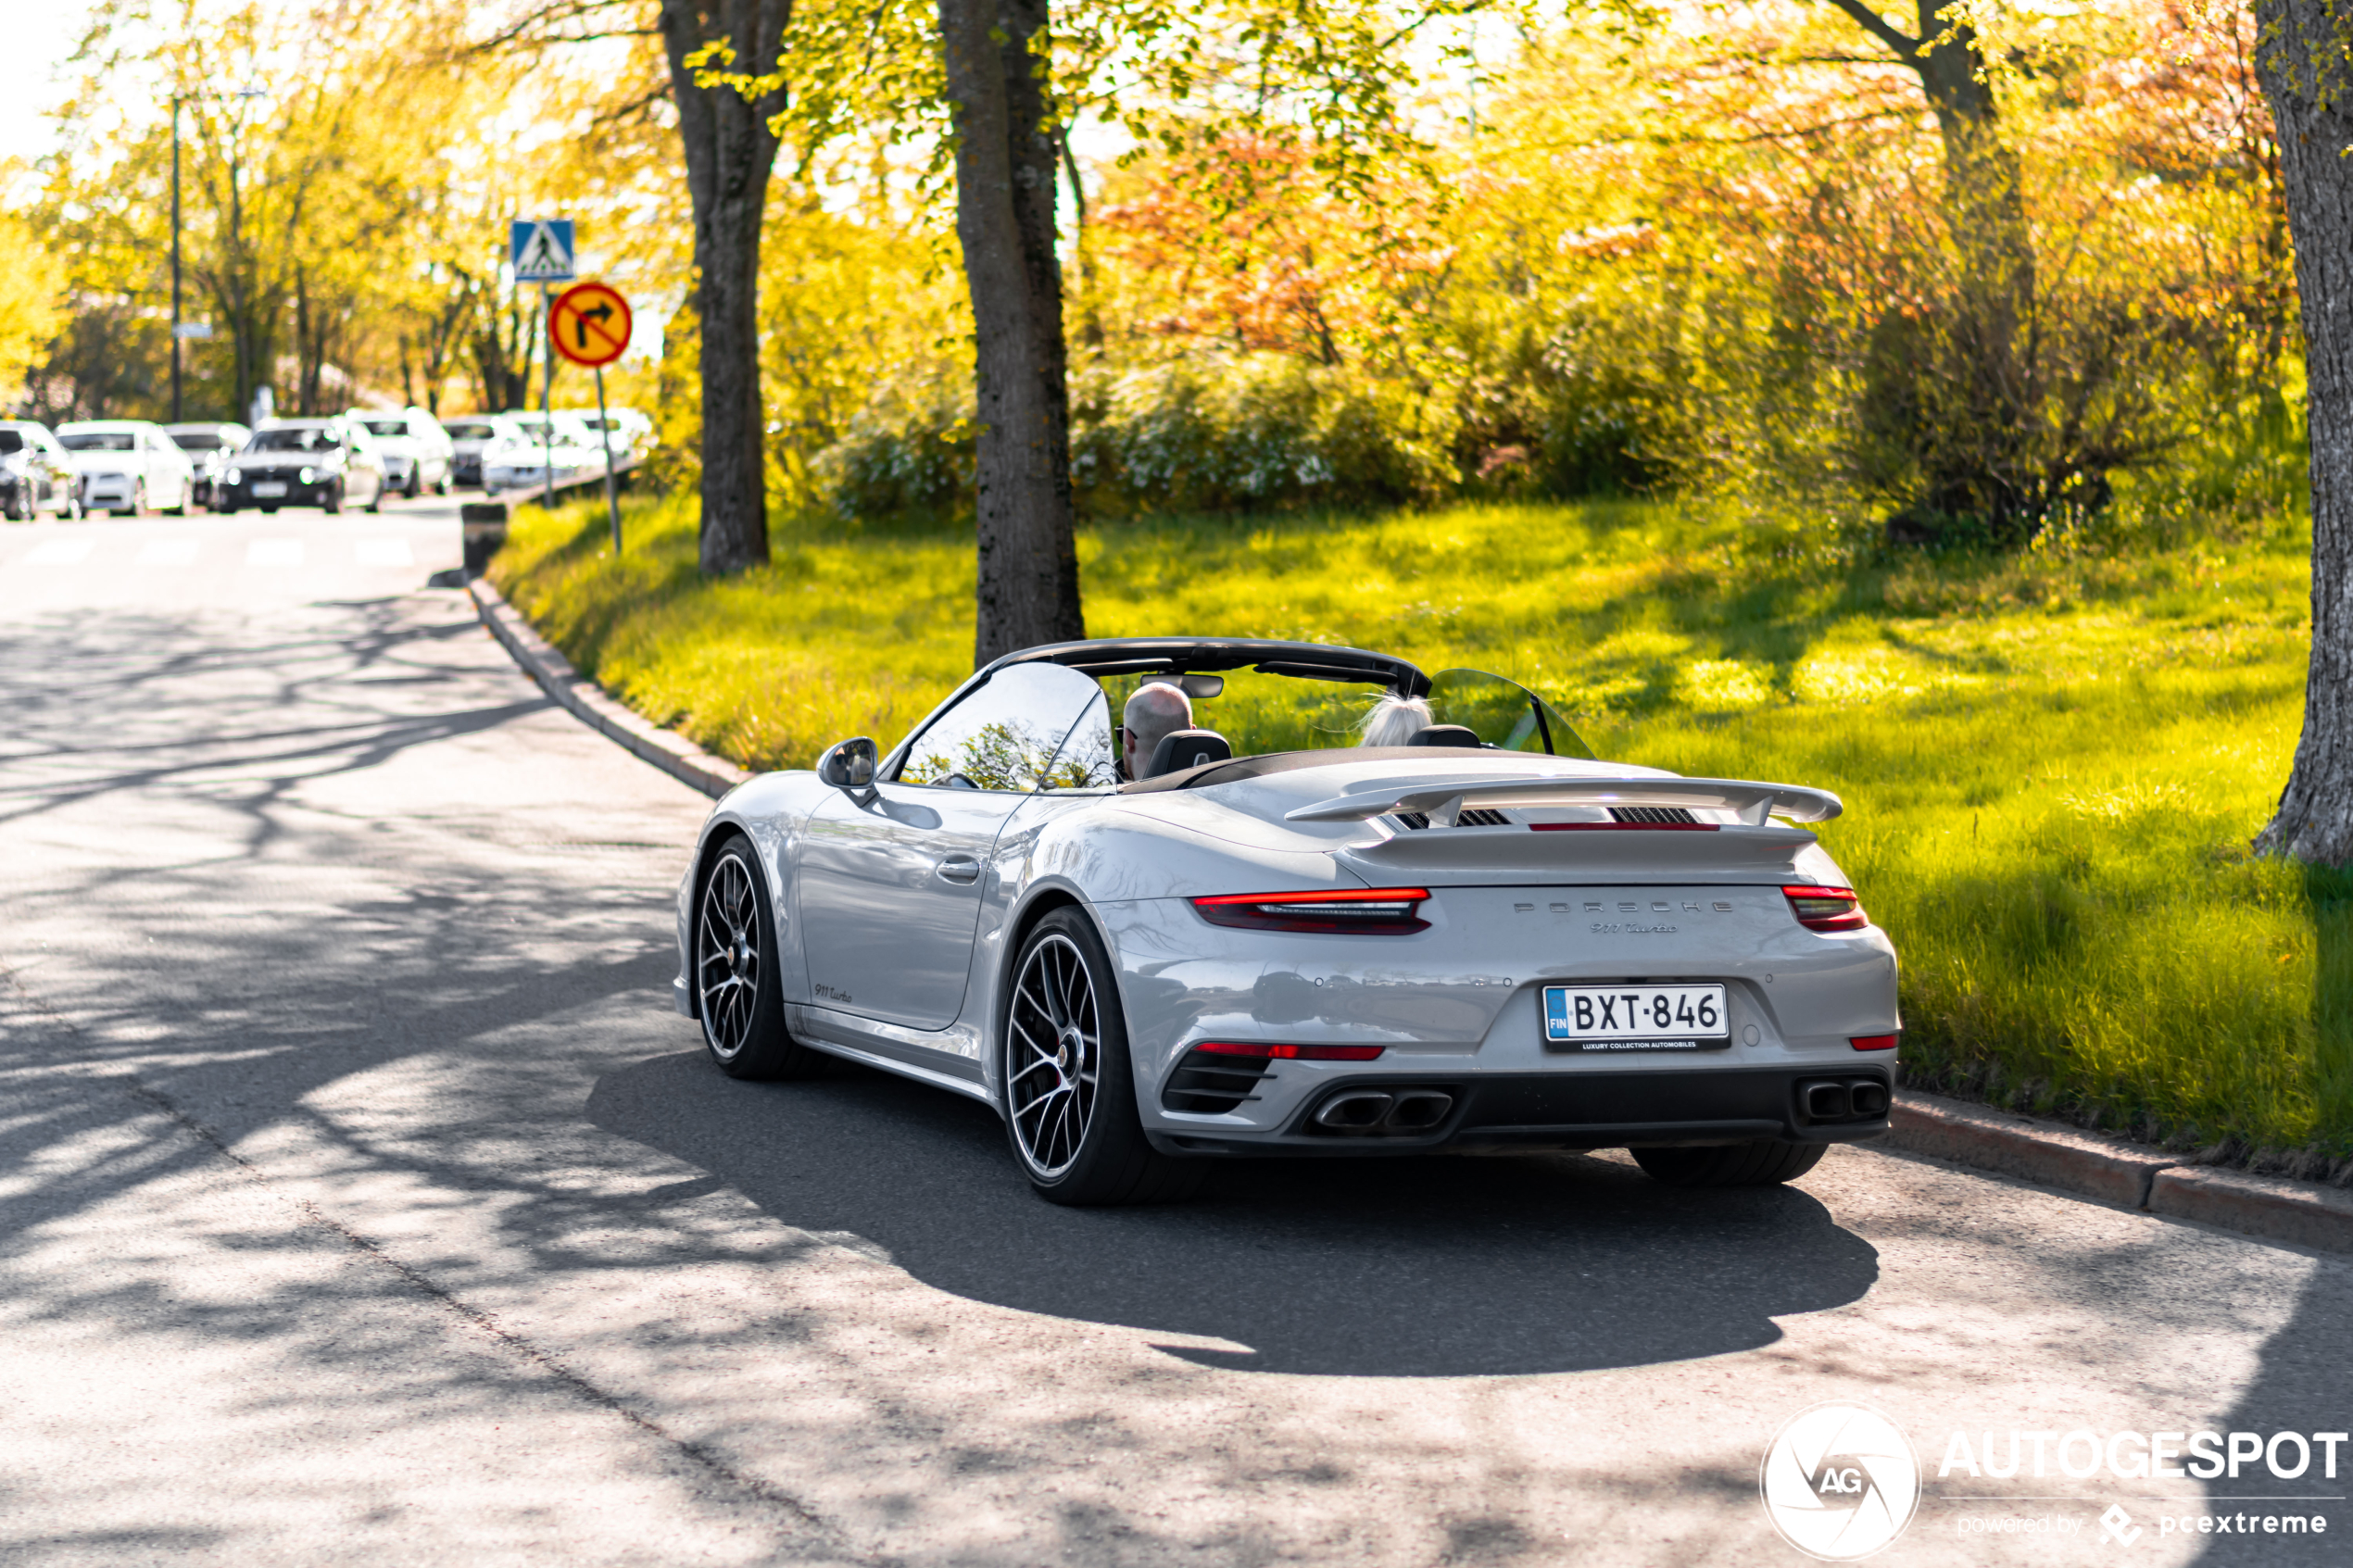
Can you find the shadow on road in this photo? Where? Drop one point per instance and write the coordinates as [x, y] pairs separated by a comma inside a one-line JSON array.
[[1428, 1267]]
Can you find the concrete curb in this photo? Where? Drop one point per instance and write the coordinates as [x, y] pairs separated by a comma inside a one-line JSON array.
[[2265, 1205], [666, 749], [2111, 1171]]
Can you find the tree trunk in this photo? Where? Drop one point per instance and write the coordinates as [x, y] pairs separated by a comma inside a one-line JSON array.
[[2300, 62], [1005, 177], [729, 152]]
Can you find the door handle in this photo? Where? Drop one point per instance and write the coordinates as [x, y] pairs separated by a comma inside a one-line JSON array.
[[962, 869]]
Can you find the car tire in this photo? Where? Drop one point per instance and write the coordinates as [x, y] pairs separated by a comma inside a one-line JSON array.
[[21, 507], [416, 485], [376, 501], [1759, 1162], [735, 974], [331, 499], [1066, 988]]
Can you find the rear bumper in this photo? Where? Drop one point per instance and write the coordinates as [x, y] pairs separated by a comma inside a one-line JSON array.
[[1573, 1111]]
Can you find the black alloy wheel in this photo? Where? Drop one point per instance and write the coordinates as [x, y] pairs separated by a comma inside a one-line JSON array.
[[737, 991], [1759, 1162], [1069, 1087]]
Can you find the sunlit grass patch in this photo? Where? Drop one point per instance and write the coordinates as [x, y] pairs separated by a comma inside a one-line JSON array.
[[2052, 764]]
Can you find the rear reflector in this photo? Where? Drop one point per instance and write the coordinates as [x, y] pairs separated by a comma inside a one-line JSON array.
[[1826, 909], [1289, 1053], [1370, 911], [1874, 1042]]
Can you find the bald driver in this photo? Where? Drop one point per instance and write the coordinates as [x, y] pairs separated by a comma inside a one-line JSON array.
[[1155, 713]]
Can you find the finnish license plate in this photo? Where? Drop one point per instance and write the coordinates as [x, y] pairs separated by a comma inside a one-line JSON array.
[[1636, 1017], [269, 487]]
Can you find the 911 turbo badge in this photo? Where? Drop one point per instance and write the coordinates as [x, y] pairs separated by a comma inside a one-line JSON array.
[[1354, 945]]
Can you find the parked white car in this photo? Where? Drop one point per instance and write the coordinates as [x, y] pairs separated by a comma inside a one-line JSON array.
[[209, 445], [471, 436], [520, 461], [418, 454], [632, 432], [36, 474], [128, 466]]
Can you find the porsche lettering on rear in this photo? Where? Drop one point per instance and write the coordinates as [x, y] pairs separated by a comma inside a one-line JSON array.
[[1262, 897]]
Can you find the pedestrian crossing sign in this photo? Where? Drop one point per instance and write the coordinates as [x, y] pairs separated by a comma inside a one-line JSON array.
[[541, 249]]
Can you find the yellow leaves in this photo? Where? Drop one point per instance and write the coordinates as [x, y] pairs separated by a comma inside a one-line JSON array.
[[30, 281]]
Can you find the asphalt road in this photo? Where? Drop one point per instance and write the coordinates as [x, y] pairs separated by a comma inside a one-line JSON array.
[[361, 1198]]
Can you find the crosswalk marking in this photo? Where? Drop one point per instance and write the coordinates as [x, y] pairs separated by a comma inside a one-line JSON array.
[[384, 552], [58, 552], [274, 552], [166, 552]]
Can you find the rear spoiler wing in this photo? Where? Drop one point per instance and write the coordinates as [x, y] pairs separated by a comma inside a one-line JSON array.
[[1442, 800]]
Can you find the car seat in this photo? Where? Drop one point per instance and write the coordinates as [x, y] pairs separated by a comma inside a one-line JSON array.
[[1445, 735], [1187, 749]]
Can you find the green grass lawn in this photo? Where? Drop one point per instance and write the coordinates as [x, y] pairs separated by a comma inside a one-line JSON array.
[[2052, 764]]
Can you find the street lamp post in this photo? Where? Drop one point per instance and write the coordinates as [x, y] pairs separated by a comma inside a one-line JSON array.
[[175, 258]]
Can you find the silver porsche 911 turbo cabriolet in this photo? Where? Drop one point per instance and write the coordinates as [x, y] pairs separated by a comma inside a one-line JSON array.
[[1292, 942]]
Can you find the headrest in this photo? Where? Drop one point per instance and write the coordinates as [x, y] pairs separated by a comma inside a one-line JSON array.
[[1187, 749], [1444, 734]]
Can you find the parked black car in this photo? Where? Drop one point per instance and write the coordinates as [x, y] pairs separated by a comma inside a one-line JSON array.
[[35, 474], [322, 463]]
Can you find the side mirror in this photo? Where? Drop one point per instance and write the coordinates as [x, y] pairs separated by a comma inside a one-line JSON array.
[[849, 765]]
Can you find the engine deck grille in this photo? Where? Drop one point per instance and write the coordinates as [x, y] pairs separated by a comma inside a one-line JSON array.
[[1651, 814]]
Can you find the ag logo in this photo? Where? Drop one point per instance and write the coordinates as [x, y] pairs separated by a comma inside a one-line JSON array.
[[1840, 1482]]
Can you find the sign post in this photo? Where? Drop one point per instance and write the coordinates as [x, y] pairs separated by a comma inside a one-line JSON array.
[[542, 252], [589, 325]]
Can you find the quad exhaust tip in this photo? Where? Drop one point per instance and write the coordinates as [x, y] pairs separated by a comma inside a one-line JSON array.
[[1375, 1112]]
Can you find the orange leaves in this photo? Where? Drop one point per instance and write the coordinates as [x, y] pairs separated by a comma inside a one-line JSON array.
[[1245, 245]]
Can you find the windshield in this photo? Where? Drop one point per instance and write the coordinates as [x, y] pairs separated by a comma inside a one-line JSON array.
[[470, 429], [100, 441], [1503, 713], [197, 441], [386, 427], [295, 438], [11, 441]]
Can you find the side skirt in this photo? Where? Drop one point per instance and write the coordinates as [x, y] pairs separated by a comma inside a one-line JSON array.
[[948, 1059]]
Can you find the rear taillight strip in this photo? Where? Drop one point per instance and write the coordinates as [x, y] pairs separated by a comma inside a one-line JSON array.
[[1377, 911]]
